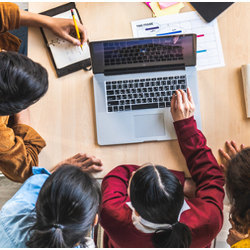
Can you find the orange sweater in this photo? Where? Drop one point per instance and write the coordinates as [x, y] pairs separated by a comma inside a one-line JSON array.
[[9, 20], [21, 144]]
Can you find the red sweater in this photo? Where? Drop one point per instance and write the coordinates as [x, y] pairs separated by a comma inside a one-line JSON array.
[[204, 218]]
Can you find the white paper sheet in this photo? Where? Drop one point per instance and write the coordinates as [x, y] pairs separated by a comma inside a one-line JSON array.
[[64, 52], [209, 49]]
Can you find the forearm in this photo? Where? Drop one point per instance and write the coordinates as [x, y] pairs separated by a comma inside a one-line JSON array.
[[200, 160], [115, 183], [34, 20]]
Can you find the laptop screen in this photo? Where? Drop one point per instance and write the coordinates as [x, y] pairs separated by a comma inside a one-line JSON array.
[[143, 52]]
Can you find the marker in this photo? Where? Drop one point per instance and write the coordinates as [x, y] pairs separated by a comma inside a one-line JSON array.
[[169, 33], [200, 35], [76, 27], [201, 51]]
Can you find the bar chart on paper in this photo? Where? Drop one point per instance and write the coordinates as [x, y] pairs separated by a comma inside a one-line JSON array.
[[209, 49]]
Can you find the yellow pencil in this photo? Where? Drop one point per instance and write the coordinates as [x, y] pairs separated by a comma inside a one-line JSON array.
[[76, 27]]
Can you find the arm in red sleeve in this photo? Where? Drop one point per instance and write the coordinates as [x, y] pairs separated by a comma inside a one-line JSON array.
[[208, 177], [115, 184]]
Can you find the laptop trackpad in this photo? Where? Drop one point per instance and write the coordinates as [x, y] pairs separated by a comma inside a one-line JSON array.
[[149, 125]]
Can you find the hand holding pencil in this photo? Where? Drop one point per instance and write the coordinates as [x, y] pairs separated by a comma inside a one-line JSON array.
[[64, 27]]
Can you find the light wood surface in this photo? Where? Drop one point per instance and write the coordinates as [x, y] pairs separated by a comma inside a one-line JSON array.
[[65, 117]]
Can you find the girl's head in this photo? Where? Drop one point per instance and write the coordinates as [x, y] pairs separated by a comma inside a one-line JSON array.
[[66, 208], [157, 196], [238, 189], [22, 82]]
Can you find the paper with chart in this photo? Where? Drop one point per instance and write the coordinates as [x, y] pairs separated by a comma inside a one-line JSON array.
[[209, 49], [64, 52]]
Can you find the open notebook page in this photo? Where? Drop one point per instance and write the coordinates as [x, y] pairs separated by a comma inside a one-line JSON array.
[[64, 52]]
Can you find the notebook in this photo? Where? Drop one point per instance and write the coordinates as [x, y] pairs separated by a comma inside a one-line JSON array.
[[66, 57], [210, 10]]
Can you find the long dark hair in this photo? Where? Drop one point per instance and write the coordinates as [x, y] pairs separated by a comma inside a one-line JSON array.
[[238, 189], [157, 196], [65, 210], [22, 82]]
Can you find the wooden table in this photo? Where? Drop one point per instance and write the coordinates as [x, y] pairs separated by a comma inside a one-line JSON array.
[[65, 117]]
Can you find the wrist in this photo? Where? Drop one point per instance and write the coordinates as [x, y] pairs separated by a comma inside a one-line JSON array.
[[35, 20]]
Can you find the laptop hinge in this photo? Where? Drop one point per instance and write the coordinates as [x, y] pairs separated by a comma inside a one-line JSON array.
[[144, 69]]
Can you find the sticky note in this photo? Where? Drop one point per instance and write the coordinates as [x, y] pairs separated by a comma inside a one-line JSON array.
[[164, 5], [174, 9]]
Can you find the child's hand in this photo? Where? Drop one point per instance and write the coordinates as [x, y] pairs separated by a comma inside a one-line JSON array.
[[87, 163], [232, 150], [182, 105], [64, 27]]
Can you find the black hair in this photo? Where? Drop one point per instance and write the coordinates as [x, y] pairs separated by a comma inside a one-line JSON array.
[[22, 82], [65, 210], [157, 196], [238, 189]]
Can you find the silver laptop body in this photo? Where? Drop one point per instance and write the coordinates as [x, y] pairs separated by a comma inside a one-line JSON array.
[[131, 122]]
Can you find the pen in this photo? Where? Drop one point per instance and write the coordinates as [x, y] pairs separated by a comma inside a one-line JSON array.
[[76, 27]]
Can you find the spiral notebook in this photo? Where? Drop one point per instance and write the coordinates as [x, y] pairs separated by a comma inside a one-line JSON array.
[[67, 58]]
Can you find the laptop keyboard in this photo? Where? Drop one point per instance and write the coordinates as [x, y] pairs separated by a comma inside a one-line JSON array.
[[144, 93]]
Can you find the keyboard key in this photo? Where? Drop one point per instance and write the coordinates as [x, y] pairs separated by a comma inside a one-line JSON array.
[[110, 109], [115, 108], [108, 83], [138, 101], [122, 102], [181, 81], [127, 102], [127, 108], [118, 97], [168, 104], [108, 87], [145, 106], [114, 86], [124, 97], [162, 105], [121, 108], [111, 98], [113, 103], [110, 92]]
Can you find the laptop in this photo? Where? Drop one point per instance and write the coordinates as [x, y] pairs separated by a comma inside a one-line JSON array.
[[134, 80]]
